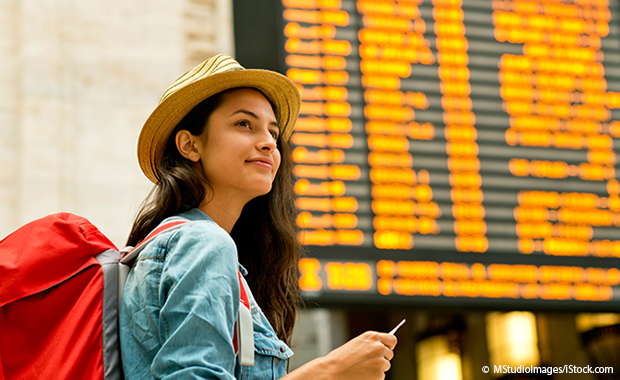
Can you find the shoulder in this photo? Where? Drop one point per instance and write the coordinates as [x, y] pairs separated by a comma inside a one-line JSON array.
[[199, 230], [202, 245], [202, 232]]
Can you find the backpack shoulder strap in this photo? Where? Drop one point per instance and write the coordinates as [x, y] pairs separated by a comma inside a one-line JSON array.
[[243, 339], [131, 253]]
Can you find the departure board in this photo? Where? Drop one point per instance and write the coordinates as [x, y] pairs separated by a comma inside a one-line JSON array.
[[456, 151]]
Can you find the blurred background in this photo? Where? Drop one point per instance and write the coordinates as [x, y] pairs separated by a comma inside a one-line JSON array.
[[455, 160]]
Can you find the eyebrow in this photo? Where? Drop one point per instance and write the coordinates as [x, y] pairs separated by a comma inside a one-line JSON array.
[[255, 116]]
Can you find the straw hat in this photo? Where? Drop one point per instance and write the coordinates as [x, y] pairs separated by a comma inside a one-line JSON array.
[[214, 75]]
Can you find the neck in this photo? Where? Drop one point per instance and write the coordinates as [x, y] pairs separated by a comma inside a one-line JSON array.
[[224, 212]]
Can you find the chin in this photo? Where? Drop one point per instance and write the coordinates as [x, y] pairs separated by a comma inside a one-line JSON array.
[[260, 191]]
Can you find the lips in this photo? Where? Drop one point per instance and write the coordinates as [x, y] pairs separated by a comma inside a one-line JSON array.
[[262, 161]]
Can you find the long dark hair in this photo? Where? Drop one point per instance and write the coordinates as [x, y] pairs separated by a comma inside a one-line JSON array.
[[265, 233]]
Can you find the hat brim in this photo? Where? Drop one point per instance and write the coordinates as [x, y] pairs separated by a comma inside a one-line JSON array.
[[277, 88]]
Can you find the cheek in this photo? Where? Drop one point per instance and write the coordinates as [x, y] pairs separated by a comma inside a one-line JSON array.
[[277, 159]]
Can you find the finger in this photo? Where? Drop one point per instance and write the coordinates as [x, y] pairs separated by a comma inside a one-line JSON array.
[[389, 340], [388, 354], [387, 366]]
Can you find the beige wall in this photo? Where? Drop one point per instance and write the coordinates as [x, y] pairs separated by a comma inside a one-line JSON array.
[[77, 80]]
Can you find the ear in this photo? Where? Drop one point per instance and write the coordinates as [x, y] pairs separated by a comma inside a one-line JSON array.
[[187, 145]]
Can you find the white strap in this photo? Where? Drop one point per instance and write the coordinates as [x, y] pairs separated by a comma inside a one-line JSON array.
[[245, 336]]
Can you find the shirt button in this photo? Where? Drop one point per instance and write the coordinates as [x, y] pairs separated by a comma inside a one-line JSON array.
[[282, 349]]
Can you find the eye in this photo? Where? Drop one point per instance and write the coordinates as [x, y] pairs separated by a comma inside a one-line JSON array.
[[274, 134], [243, 123]]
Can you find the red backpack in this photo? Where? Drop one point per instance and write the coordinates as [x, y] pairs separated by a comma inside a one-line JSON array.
[[61, 281]]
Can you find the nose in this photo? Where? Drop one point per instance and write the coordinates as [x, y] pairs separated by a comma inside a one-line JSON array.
[[267, 142]]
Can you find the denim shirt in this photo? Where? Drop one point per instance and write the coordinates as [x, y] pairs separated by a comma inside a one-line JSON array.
[[179, 308]]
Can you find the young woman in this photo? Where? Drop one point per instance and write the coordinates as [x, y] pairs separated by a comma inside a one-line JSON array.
[[216, 149]]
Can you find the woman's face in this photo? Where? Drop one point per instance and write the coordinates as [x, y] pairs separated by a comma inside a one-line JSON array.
[[238, 149]]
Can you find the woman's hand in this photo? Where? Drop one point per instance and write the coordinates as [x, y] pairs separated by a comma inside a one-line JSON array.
[[366, 357]]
